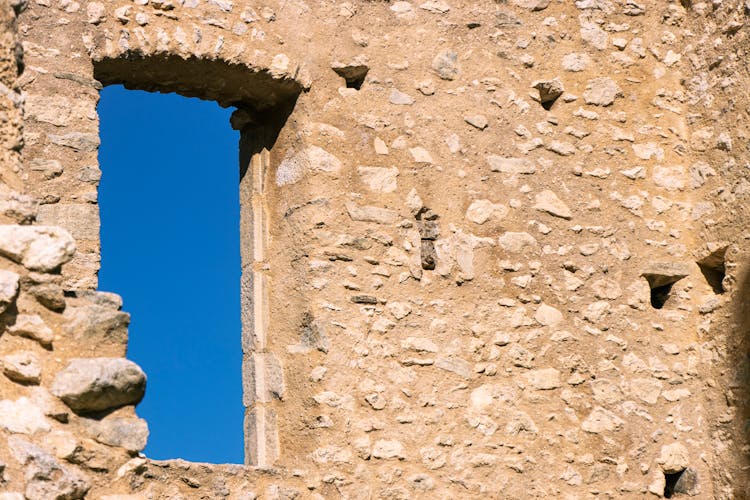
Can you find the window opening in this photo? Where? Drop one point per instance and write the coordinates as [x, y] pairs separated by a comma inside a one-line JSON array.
[[169, 203]]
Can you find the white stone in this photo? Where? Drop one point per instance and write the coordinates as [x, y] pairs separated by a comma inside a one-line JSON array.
[[601, 91], [95, 384], [575, 61], [511, 165], [670, 178], [435, 6], [8, 288], [377, 215], [514, 242], [548, 315], [310, 160], [379, 179], [480, 211], [33, 327], [445, 64], [39, 248], [674, 458], [420, 155], [547, 201], [22, 417], [477, 121], [385, 449], [646, 389], [418, 345], [22, 366], [399, 98], [543, 380], [601, 420]]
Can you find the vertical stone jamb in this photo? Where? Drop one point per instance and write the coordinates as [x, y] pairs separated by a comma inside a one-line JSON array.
[[262, 375]]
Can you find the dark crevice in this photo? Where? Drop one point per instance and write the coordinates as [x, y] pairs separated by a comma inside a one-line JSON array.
[[714, 277], [354, 75], [670, 483], [660, 295]]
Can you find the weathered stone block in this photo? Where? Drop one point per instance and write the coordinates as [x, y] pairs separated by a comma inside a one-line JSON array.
[[97, 384]]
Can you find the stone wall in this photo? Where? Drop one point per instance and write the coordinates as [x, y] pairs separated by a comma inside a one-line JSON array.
[[490, 249]]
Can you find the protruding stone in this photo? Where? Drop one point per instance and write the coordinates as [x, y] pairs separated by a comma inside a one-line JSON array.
[[22, 417], [39, 248], [547, 201], [309, 160], [601, 420], [445, 65], [379, 179], [96, 384], [674, 458], [480, 211], [22, 366], [46, 478], [601, 91], [8, 289], [516, 242], [659, 274], [32, 327], [543, 380], [125, 432], [371, 214], [548, 315], [549, 91], [17, 207], [386, 449], [511, 165]]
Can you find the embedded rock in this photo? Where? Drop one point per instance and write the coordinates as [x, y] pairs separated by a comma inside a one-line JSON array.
[[128, 433], [96, 384], [660, 274], [601, 91], [22, 367], [33, 327], [547, 201], [22, 417], [8, 289], [46, 478], [516, 242], [674, 458], [39, 248], [445, 65]]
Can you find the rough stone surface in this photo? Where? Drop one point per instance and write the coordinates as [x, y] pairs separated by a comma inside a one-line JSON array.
[[435, 329], [99, 384], [38, 248]]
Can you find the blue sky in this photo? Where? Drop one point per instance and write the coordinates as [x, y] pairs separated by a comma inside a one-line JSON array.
[[170, 247]]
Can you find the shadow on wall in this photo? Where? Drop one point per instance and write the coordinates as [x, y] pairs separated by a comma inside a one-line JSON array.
[[739, 360]]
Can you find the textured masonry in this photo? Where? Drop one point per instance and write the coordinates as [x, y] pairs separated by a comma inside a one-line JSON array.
[[488, 249]]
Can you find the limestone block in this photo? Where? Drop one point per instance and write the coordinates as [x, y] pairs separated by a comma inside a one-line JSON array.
[[379, 179], [80, 219], [547, 201], [22, 417], [674, 458], [19, 208], [377, 215], [261, 436], [39, 248], [32, 327], [128, 433], [96, 384], [262, 378], [660, 274], [601, 91], [22, 366], [601, 420], [47, 478], [8, 289]]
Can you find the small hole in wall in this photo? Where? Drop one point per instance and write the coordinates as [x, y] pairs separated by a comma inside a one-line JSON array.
[[670, 481], [354, 75], [660, 295], [713, 269]]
